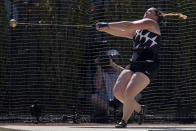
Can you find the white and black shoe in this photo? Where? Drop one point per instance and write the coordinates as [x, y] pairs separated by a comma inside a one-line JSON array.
[[121, 124]]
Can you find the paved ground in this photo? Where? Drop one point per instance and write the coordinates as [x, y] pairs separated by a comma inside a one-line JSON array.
[[94, 127]]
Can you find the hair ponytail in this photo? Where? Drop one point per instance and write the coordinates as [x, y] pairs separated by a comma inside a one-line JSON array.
[[164, 16], [174, 16]]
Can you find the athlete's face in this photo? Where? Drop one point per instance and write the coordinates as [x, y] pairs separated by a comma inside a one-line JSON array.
[[150, 13]]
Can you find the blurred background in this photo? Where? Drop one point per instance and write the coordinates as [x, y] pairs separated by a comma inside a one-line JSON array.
[[54, 66]]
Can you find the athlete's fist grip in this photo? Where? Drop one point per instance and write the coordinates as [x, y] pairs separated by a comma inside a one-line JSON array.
[[101, 25]]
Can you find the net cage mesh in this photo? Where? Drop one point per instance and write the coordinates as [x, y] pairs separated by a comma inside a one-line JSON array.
[[54, 64]]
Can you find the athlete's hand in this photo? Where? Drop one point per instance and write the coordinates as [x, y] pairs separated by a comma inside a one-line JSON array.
[[101, 26]]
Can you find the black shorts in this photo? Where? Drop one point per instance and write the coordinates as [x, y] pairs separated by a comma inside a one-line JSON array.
[[150, 69]]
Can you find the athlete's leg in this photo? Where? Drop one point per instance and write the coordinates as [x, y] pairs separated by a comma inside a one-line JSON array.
[[121, 84], [137, 83]]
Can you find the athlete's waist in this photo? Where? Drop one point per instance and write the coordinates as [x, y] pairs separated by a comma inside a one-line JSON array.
[[137, 57], [144, 61]]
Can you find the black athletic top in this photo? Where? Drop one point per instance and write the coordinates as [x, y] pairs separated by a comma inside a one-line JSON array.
[[145, 47]]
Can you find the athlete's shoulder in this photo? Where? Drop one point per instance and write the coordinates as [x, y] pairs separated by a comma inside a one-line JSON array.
[[154, 26], [149, 21], [144, 23]]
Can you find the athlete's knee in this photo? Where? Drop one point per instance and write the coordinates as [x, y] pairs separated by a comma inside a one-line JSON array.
[[117, 92], [129, 94], [121, 82], [129, 97]]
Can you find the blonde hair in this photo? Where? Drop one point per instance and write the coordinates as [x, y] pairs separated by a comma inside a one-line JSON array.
[[163, 16], [179, 16]]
